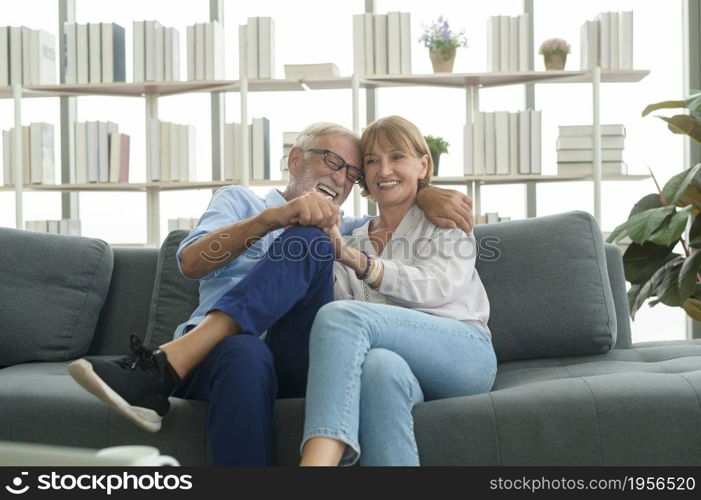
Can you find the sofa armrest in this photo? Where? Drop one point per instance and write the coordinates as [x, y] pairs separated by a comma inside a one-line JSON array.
[[614, 264]]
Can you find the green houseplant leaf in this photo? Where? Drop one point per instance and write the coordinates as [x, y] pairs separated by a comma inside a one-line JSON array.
[[672, 228], [642, 225], [641, 261], [684, 124], [678, 186], [663, 105], [695, 233]]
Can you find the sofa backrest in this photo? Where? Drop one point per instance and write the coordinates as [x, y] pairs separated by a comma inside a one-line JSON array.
[[548, 287]]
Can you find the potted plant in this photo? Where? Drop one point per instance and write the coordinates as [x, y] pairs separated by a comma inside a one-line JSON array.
[[437, 146], [656, 224], [554, 51], [442, 44]]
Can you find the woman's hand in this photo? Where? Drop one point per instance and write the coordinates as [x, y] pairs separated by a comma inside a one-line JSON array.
[[334, 233]]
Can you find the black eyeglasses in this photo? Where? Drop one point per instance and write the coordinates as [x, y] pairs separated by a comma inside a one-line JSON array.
[[335, 162]]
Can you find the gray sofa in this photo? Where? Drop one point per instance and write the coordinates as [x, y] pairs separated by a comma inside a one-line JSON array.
[[570, 388]]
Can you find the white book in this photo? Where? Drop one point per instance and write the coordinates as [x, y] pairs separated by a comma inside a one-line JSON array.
[[380, 44], [513, 44], [289, 138], [4, 56], [81, 153], [102, 152], [42, 153], [358, 45], [150, 43], [587, 155], [159, 52], [493, 39], [467, 140], [7, 165], [115, 151], [260, 149], [524, 142], [393, 43], [174, 154], [504, 44], [42, 47], [625, 39], [589, 48], [26, 155], [168, 54], [15, 55], [587, 168], [370, 68], [69, 59], [52, 226], [95, 51], [536, 139], [82, 53], [74, 228], [266, 47], [230, 161], [139, 51], [200, 51], [243, 50], [191, 51], [490, 145], [182, 155], [405, 42], [513, 144], [478, 143], [92, 144], [124, 141], [252, 48], [214, 63], [604, 19], [191, 154], [311, 71], [165, 151], [524, 42], [613, 40], [174, 61], [153, 139], [501, 134], [26, 56], [587, 142], [607, 129], [113, 53]]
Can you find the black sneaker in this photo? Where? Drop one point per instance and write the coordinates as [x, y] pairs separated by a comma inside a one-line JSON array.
[[137, 386]]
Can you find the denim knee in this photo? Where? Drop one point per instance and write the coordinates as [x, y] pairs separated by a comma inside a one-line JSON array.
[[244, 355], [385, 369], [306, 241]]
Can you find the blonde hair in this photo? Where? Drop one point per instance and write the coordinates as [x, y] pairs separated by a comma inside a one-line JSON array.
[[400, 133]]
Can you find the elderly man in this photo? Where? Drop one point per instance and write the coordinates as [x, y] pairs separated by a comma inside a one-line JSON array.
[[228, 362]]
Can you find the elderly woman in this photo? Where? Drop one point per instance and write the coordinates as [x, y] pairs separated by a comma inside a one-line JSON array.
[[417, 325]]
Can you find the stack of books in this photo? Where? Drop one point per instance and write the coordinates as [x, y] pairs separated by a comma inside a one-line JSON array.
[[171, 154], [205, 51], [101, 153], [187, 223], [311, 71], [257, 45], [382, 44], [490, 218], [259, 149], [507, 43], [607, 41], [503, 143], [68, 227], [94, 53], [156, 52], [575, 155], [38, 162], [288, 141], [27, 56]]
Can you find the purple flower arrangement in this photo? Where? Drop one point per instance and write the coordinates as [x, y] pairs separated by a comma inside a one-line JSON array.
[[555, 46], [439, 36]]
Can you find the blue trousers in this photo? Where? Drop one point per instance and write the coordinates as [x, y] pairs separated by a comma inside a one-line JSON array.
[[243, 375]]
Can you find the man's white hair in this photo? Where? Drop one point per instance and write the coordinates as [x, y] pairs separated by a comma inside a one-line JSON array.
[[311, 135]]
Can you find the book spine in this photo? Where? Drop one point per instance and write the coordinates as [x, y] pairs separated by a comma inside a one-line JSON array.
[[252, 52], [95, 51], [467, 140], [369, 44], [191, 51], [124, 158], [513, 43], [501, 132], [536, 139], [490, 159], [83, 53], [81, 153], [393, 43], [266, 57], [139, 51], [478, 143], [524, 142], [4, 56], [358, 44], [92, 155], [504, 45], [115, 150], [381, 44], [524, 35], [493, 49], [625, 40], [513, 143], [405, 49]]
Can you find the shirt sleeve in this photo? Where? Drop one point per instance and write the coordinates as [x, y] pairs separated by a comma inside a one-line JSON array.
[[441, 267], [341, 285], [226, 207], [349, 224]]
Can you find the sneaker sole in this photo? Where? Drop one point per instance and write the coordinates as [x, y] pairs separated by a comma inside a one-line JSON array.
[[83, 373]]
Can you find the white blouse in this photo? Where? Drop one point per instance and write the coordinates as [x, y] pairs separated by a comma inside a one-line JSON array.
[[426, 268]]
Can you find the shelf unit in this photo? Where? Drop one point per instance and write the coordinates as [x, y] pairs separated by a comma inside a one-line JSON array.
[[151, 91]]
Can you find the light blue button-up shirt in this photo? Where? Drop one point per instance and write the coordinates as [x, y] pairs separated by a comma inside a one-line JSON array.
[[231, 204]]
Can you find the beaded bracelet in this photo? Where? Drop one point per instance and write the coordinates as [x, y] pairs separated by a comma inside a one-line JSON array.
[[374, 272], [368, 265]]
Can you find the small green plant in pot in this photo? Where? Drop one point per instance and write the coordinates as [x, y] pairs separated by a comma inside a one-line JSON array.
[[656, 224], [437, 146]]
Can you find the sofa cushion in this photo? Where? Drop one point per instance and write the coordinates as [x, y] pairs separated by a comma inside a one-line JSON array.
[[51, 293], [174, 296], [548, 287]]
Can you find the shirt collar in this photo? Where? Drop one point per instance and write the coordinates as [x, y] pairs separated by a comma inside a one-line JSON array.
[[274, 198]]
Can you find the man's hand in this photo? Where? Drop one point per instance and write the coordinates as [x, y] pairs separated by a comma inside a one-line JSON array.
[[446, 208], [311, 209]]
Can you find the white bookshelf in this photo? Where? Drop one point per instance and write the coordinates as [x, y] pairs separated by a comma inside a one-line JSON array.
[[470, 82]]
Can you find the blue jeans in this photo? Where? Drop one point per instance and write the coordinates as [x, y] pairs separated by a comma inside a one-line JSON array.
[[371, 363], [243, 375]]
